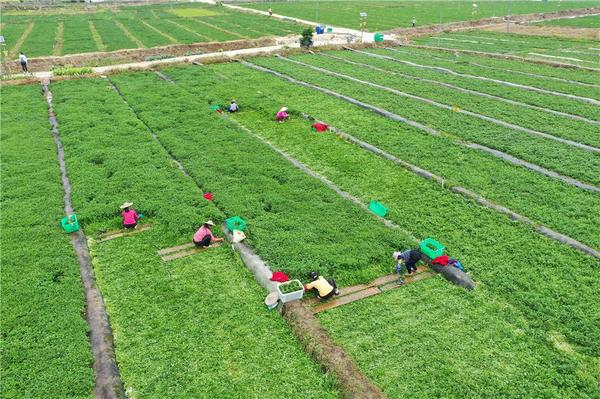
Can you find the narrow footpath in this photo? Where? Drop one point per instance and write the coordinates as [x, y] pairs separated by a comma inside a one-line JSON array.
[[108, 380]]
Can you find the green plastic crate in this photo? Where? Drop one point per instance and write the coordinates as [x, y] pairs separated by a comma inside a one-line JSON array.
[[235, 223], [378, 37], [378, 209], [70, 224], [329, 30], [432, 248]]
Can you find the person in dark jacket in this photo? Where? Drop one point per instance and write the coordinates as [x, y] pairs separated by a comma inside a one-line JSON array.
[[410, 258]]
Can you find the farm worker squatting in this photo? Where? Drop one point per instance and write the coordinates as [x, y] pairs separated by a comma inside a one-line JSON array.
[[23, 62], [326, 288], [204, 236], [233, 107], [282, 115], [130, 216]]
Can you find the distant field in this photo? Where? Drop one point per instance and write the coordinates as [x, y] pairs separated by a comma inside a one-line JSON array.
[[569, 51], [79, 30], [593, 21], [385, 15]]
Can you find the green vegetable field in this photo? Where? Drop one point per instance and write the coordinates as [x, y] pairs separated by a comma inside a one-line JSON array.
[[386, 15], [496, 158], [582, 52], [582, 22], [81, 30]]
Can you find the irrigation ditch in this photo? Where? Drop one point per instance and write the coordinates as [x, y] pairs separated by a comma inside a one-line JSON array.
[[317, 343], [499, 154], [446, 106], [108, 383]]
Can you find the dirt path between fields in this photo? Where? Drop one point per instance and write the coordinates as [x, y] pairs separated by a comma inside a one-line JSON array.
[[560, 31], [139, 55], [108, 381]]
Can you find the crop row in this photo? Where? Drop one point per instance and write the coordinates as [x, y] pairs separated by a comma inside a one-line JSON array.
[[490, 243], [364, 175], [145, 27], [561, 158], [45, 349], [297, 224], [577, 77], [570, 51], [591, 21], [457, 347], [192, 328], [548, 100], [565, 80], [567, 209], [537, 120]]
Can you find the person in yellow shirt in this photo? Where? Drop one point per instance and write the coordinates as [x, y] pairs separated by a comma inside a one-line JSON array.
[[326, 288]]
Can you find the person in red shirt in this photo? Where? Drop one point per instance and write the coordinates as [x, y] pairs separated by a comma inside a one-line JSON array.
[[130, 216], [204, 236]]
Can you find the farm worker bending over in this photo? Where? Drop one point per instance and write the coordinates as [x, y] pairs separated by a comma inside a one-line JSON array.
[[130, 216], [204, 236], [282, 115], [233, 107], [325, 288], [409, 258], [270, 12]]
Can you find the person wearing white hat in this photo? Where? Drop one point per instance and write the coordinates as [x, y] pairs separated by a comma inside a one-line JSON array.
[[282, 115], [204, 236], [130, 216]]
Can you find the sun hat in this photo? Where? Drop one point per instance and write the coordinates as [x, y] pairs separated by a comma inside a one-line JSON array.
[[126, 205], [209, 222]]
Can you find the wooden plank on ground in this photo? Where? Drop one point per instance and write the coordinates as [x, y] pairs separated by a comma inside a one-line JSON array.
[[380, 281], [391, 282], [183, 254], [339, 301], [111, 235], [407, 280], [175, 249]]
